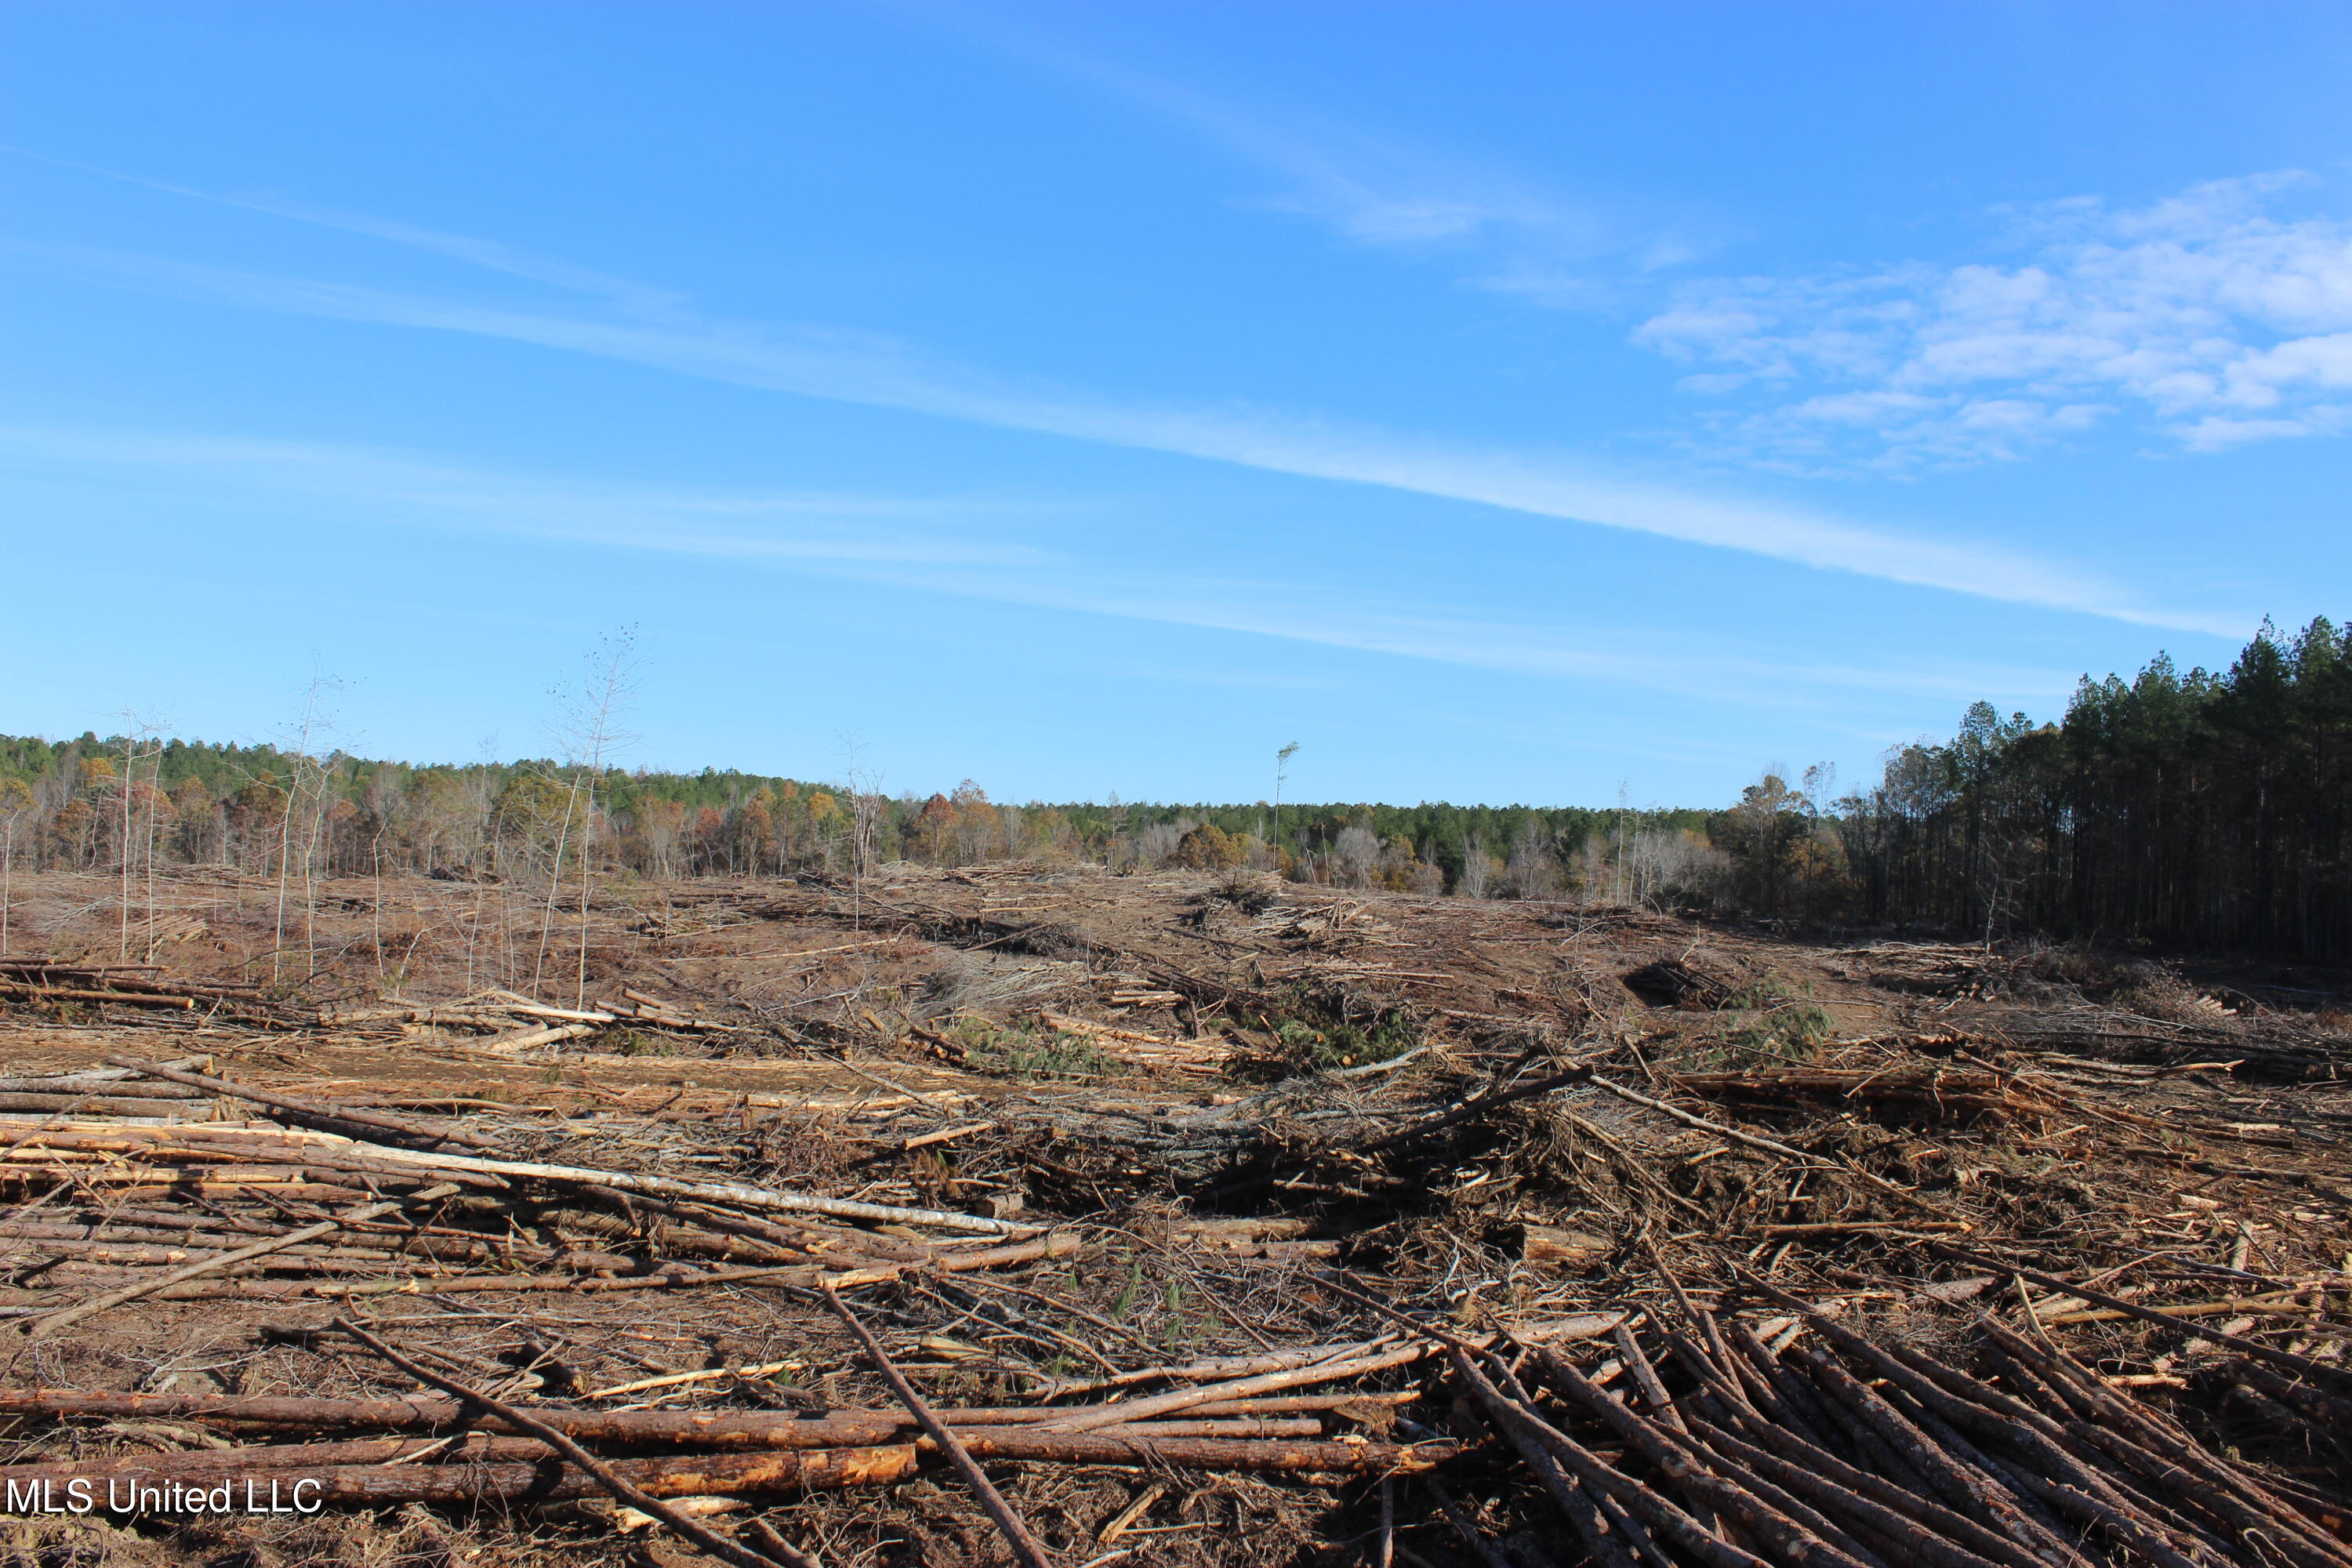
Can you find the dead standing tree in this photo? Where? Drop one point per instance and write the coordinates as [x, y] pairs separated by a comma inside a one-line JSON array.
[[139, 746], [555, 878], [611, 681], [866, 806], [305, 779], [589, 733], [16, 804]]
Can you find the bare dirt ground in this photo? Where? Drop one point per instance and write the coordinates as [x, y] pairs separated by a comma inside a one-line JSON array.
[[1195, 1096]]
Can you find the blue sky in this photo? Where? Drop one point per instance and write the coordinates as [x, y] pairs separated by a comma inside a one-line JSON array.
[[1507, 402]]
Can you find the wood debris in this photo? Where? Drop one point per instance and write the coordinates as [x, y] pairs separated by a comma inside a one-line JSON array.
[[1204, 1233]]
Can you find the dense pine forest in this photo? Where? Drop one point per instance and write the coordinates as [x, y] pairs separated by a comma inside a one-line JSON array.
[[2199, 809]]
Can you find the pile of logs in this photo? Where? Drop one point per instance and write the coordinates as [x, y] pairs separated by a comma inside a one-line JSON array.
[[516, 1022], [122, 1194], [107, 1092], [372, 1452], [1729, 1452], [1205, 1056], [122, 984]]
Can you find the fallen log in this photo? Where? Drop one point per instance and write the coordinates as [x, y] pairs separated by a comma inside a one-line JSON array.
[[1267, 1383], [555, 1480], [104, 1081], [1113, 1447], [1026, 1546], [735, 1195], [804, 1275], [127, 1187], [770, 1472], [265, 1151], [52, 1323], [202, 1464], [199, 990], [348, 1115], [1203, 1047], [469, 1284], [722, 1429], [558, 1014], [526, 1040], [624, 1489], [118, 1254], [1054, 1244], [66, 993], [802, 1238], [91, 1102], [316, 1167], [433, 1164], [878, 1430]]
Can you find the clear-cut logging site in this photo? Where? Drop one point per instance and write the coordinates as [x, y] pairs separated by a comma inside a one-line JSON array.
[[1042, 1214]]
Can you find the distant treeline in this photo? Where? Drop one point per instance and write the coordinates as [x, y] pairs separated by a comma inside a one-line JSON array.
[[261, 808], [2206, 810]]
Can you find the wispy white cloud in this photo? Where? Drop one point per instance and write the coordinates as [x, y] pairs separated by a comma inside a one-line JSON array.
[[814, 529], [864, 368], [975, 548], [2203, 314], [1498, 230], [489, 254], [1375, 192]]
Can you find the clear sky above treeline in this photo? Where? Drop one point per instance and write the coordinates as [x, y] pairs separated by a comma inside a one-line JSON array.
[[1506, 402]]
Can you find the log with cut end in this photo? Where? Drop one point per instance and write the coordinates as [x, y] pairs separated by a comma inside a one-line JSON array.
[[1553, 1246], [526, 1040]]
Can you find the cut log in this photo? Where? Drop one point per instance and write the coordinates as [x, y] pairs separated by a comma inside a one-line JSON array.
[[94, 1104], [65, 993], [1550, 1246], [349, 1116]]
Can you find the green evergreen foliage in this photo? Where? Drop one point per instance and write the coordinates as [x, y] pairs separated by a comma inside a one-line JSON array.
[[1033, 1054], [1313, 1031], [2204, 809]]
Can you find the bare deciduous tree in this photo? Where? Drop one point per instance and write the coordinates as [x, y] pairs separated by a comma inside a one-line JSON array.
[[16, 805], [866, 803], [595, 735], [305, 780], [1478, 868], [1357, 851]]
